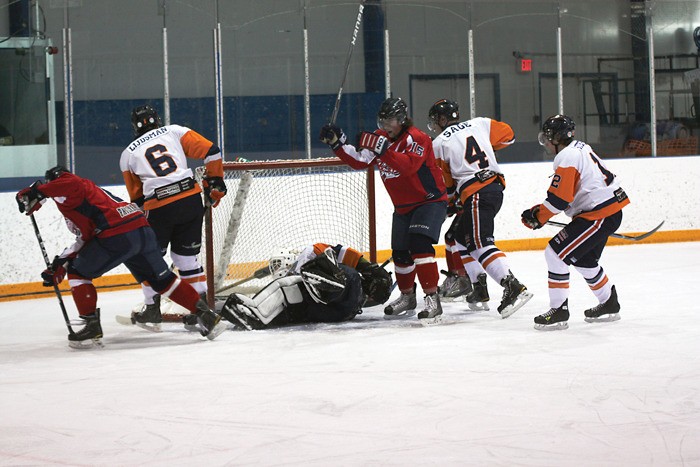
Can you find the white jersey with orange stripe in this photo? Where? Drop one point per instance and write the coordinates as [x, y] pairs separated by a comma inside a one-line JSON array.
[[466, 148], [159, 158], [582, 183]]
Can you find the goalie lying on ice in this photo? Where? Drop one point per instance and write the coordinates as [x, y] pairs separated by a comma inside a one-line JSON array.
[[323, 291]]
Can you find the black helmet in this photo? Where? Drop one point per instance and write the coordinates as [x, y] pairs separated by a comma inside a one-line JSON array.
[[144, 118], [393, 107], [558, 129], [54, 172], [442, 108]]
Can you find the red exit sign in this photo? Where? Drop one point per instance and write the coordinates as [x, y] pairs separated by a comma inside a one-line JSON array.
[[524, 65]]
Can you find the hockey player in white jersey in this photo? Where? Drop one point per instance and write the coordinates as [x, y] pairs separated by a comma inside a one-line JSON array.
[[584, 189], [466, 153], [157, 177]]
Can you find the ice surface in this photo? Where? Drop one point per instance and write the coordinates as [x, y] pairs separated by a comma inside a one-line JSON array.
[[478, 391]]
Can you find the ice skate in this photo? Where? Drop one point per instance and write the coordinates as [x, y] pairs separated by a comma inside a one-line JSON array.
[[210, 325], [432, 313], [515, 295], [477, 298], [189, 321], [240, 315], [91, 334], [455, 287], [603, 312], [150, 317], [555, 319], [402, 307]]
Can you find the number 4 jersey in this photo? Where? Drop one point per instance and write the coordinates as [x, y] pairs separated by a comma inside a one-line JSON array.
[[465, 152], [155, 168]]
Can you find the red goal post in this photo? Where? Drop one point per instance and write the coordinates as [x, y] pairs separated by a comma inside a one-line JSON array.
[[285, 205]]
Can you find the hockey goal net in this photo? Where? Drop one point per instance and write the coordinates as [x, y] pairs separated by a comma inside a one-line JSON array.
[[273, 206]]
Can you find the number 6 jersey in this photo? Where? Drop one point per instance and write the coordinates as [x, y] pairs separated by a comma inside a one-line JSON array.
[[155, 168]]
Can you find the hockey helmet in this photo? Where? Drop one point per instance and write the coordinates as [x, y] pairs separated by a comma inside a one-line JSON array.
[[281, 262], [144, 118], [442, 108], [558, 130], [54, 172], [392, 108]]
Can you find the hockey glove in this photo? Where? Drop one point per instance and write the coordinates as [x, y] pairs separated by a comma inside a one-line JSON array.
[[214, 190], [30, 199], [376, 283], [323, 278], [332, 136], [529, 218], [454, 206], [55, 274], [373, 142]]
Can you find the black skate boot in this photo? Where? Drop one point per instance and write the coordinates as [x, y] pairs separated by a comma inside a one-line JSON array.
[[608, 311], [555, 319], [190, 320], [242, 317], [149, 317], [90, 335], [455, 287], [402, 307], [210, 325], [515, 295], [432, 313], [479, 295]]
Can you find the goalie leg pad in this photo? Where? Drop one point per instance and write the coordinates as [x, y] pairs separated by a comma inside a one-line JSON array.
[[273, 299]]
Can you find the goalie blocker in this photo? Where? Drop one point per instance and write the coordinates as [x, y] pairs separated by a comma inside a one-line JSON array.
[[325, 292]]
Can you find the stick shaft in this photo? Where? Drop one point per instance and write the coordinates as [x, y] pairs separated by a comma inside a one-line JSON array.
[[358, 21], [634, 238]]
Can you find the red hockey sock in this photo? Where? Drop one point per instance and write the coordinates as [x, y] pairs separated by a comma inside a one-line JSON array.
[[85, 298], [427, 271], [183, 294], [405, 277]]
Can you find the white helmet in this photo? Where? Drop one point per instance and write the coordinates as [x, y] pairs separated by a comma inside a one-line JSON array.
[[281, 262]]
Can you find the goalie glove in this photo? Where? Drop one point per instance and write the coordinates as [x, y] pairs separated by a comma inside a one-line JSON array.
[[30, 199], [529, 218], [323, 278], [214, 190], [55, 273], [375, 143], [376, 282], [333, 136]]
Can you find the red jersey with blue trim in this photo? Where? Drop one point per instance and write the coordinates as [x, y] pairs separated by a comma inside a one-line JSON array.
[[94, 212], [408, 169]]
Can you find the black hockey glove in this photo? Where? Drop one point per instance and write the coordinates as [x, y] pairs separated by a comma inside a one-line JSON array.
[[375, 143], [214, 190], [30, 199], [55, 274], [376, 282], [333, 136], [529, 218]]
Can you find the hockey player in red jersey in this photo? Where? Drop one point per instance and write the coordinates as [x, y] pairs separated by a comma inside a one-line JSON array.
[[157, 177], [404, 156], [109, 232], [584, 189], [466, 153]]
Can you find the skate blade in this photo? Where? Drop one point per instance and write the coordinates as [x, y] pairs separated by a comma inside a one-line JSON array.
[[478, 306], [560, 326], [430, 321], [214, 333], [127, 321], [87, 344], [604, 318], [520, 300], [402, 315], [458, 298]]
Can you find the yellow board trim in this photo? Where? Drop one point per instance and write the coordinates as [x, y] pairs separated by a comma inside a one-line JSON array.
[[30, 290]]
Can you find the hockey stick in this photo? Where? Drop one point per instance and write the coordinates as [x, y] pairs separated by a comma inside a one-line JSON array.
[[48, 266], [633, 238], [334, 116], [259, 274]]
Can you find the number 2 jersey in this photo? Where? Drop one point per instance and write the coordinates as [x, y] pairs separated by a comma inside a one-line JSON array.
[[465, 153], [582, 186], [154, 165]]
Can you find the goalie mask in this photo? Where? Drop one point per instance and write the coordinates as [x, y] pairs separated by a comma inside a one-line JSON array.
[[323, 278], [281, 262]]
